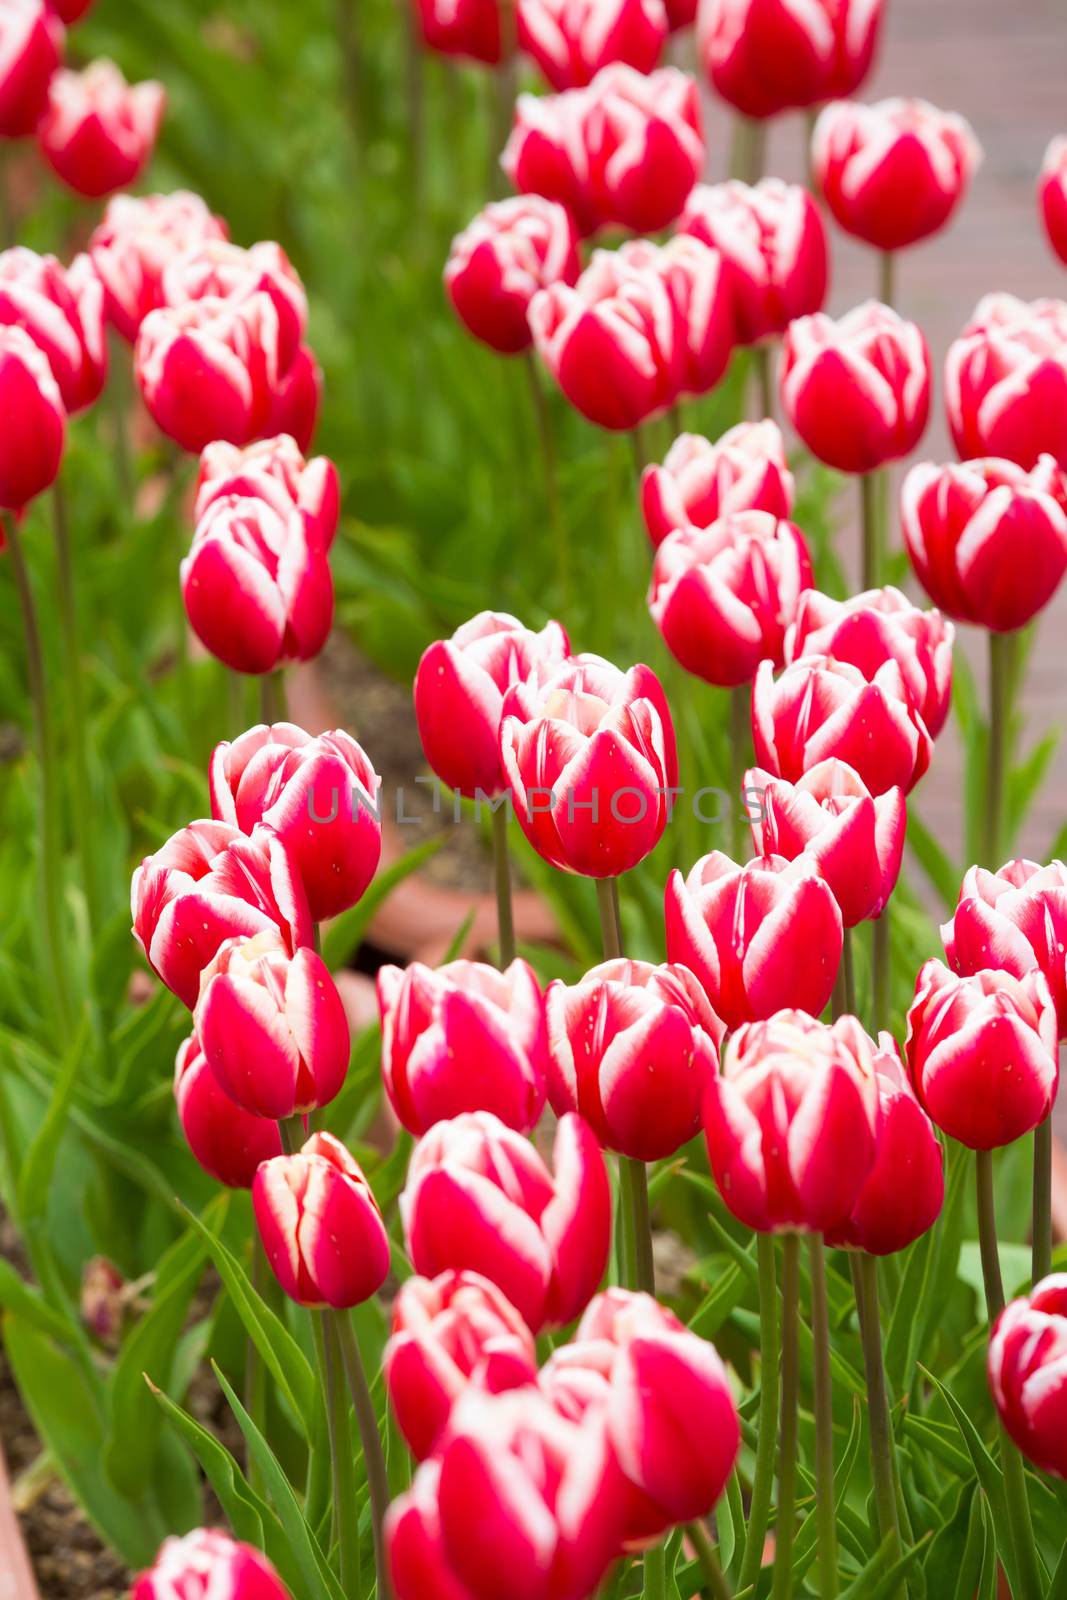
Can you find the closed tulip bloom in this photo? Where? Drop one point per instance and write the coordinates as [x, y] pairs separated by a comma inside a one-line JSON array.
[[215, 269], [591, 760], [468, 28], [320, 1225], [681, 13], [773, 239], [31, 45], [463, 1038], [228, 1141], [62, 310], [987, 539], [132, 246], [857, 391], [631, 1048], [1014, 920], [766, 56], [70, 10], [723, 596], [296, 400], [480, 1198], [418, 1563], [821, 707], [854, 839], [1027, 1369], [501, 259], [98, 131], [272, 1026], [1006, 381], [981, 1051], [318, 795], [571, 40], [759, 937], [208, 1565], [449, 1333], [35, 430], [699, 482], [892, 173], [1052, 196], [200, 366], [699, 288], [257, 587], [207, 884], [273, 470]]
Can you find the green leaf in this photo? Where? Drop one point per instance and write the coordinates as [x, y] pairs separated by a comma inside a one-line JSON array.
[[954, 1558], [1015, 1267], [941, 870], [28, 1303], [35, 1180], [718, 1303], [989, 1475], [879, 1580], [345, 933]]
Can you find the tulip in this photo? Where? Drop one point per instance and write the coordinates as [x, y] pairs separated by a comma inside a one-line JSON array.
[[591, 761], [257, 586], [1006, 381], [418, 1565], [699, 289], [463, 1038], [987, 539], [228, 1141], [70, 10], [272, 1026], [319, 796], [296, 400], [631, 1048], [791, 1122], [501, 259], [981, 1052], [214, 269], [449, 1334], [1052, 196], [276, 471], [479, 1198], [1027, 1356], [61, 308], [857, 391], [208, 1565], [699, 482], [31, 45], [773, 239], [468, 28], [207, 884], [131, 247], [571, 40], [1014, 920], [904, 1191], [31, 445], [98, 132], [853, 839], [759, 937], [202, 369], [723, 596], [459, 694], [822, 707], [766, 56], [680, 13], [320, 1225]]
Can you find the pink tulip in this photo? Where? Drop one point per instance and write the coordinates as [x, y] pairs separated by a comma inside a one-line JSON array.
[[208, 1565], [318, 795], [501, 259], [296, 400], [31, 46], [479, 1197], [699, 288], [1015, 921], [205, 369], [699, 482], [981, 1051], [468, 28], [571, 40], [1052, 196], [766, 56], [227, 1141], [273, 470], [1027, 1367], [62, 310], [450, 1333], [791, 1122], [262, 277], [98, 132], [131, 247], [1006, 381], [31, 445]]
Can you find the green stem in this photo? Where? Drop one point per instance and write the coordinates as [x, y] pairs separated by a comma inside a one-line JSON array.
[[607, 895], [886, 276], [639, 449], [81, 799], [506, 82], [785, 1526], [1042, 1219], [766, 1439], [761, 361], [881, 970], [342, 1457], [272, 697], [987, 1235], [865, 1284], [8, 228], [747, 149], [1000, 668], [546, 438], [633, 1183], [502, 879], [351, 69], [740, 699], [655, 1573], [714, 1582], [291, 1133], [824, 1421], [119, 396], [871, 494], [373, 1458], [255, 1370]]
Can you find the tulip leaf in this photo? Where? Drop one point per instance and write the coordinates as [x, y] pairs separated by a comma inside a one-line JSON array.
[[805, 1548], [936, 1438], [730, 1522], [718, 1303], [35, 1180], [28, 1303], [878, 1579], [342, 938], [955, 1553], [1058, 1586], [941, 870]]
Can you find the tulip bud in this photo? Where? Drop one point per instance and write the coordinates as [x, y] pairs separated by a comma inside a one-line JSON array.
[[791, 1122], [459, 694], [772, 238], [479, 1198], [257, 586], [631, 1048], [468, 28], [759, 937], [450, 1333], [699, 288], [1015, 921], [31, 444], [104, 1301], [981, 1052], [1006, 381], [214, 269], [62, 310], [98, 132], [201, 368], [70, 10], [501, 259], [320, 1225], [228, 1141], [821, 707], [319, 796], [571, 40], [131, 247], [463, 1038], [208, 884], [1052, 196], [723, 596], [209, 1565], [857, 391], [699, 482], [987, 539], [31, 46], [1025, 1367], [892, 173], [766, 56], [591, 761], [273, 470]]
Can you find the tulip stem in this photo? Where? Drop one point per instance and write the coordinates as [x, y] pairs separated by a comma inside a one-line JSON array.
[[740, 698], [766, 1439], [865, 1284], [843, 1000], [373, 1458], [785, 1525], [824, 1421], [714, 1582], [871, 495], [502, 879], [342, 1457], [761, 361], [506, 81], [886, 275], [747, 149], [291, 1133], [607, 894], [543, 421], [81, 798], [255, 1369], [639, 448], [881, 969], [1042, 1220], [1000, 672], [633, 1180], [655, 1573], [272, 697]]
